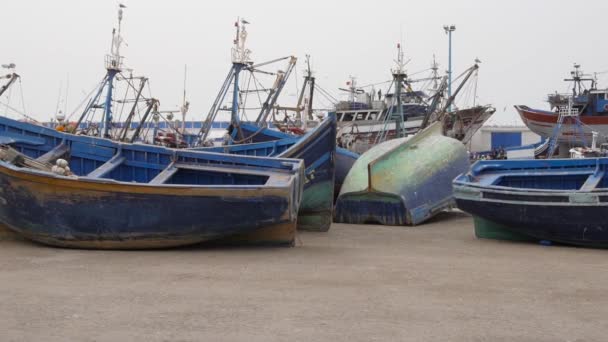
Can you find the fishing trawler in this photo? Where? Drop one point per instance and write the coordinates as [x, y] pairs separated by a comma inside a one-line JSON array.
[[573, 117], [365, 120], [317, 147]]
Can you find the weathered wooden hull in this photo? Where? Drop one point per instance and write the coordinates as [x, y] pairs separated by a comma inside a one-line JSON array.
[[318, 150], [563, 201], [563, 223], [126, 196], [345, 160], [486, 229], [402, 181]]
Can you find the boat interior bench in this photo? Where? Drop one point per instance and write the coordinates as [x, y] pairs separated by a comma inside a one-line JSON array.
[[57, 152], [593, 181], [494, 179]]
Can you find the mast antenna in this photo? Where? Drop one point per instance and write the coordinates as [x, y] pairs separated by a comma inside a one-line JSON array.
[[185, 104], [240, 52]]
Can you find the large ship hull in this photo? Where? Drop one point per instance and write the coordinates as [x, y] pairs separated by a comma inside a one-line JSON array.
[[544, 124]]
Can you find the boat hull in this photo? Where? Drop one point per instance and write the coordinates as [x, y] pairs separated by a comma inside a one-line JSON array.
[[581, 225], [543, 123], [101, 215], [132, 196], [318, 150], [402, 181]]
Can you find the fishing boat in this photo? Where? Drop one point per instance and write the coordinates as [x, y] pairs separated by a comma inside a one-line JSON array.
[[402, 181], [365, 120], [557, 200], [573, 117], [316, 149], [83, 192]]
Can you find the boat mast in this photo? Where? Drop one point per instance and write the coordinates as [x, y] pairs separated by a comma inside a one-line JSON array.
[[185, 104], [448, 30], [240, 61], [578, 77], [113, 65], [12, 77], [309, 81], [399, 76]]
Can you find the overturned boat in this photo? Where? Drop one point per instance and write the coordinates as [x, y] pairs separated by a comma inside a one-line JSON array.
[[559, 200], [402, 181], [82, 192]]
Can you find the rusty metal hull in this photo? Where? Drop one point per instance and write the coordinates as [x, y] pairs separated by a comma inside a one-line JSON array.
[[402, 181]]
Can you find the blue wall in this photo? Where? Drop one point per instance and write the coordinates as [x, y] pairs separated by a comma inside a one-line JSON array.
[[506, 139]]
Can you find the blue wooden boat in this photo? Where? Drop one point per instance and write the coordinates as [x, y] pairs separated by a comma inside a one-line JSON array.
[[402, 181], [130, 196], [560, 200], [344, 159], [317, 149]]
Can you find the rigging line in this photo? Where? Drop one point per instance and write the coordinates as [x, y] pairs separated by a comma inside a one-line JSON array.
[[19, 112], [134, 88], [122, 107], [330, 97], [85, 99], [22, 98], [169, 124], [419, 72], [10, 92], [375, 84], [243, 114], [297, 84], [325, 95], [476, 81], [67, 89], [255, 85]]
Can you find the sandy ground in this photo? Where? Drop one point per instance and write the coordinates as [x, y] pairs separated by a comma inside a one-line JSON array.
[[356, 283]]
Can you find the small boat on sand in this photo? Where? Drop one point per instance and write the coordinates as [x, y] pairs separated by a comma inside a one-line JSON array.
[[317, 149], [82, 192], [558, 200], [402, 181]]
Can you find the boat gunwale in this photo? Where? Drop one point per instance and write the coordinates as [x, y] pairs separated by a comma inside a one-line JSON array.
[[110, 185], [275, 163], [461, 188]]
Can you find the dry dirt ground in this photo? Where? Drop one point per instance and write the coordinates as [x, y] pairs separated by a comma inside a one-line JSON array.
[[356, 283]]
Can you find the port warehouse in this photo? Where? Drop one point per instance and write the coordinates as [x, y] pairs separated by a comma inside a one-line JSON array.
[[502, 130]]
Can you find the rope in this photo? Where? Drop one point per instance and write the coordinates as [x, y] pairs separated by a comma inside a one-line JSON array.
[[22, 98]]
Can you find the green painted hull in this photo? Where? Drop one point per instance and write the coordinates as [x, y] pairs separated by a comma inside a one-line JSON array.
[[486, 229], [312, 216], [402, 181]]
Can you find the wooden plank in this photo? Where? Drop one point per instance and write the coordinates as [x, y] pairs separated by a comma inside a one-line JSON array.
[[165, 175], [242, 170], [54, 154], [593, 181], [107, 167]]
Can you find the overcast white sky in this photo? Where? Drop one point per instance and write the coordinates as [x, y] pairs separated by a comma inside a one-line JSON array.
[[526, 47]]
